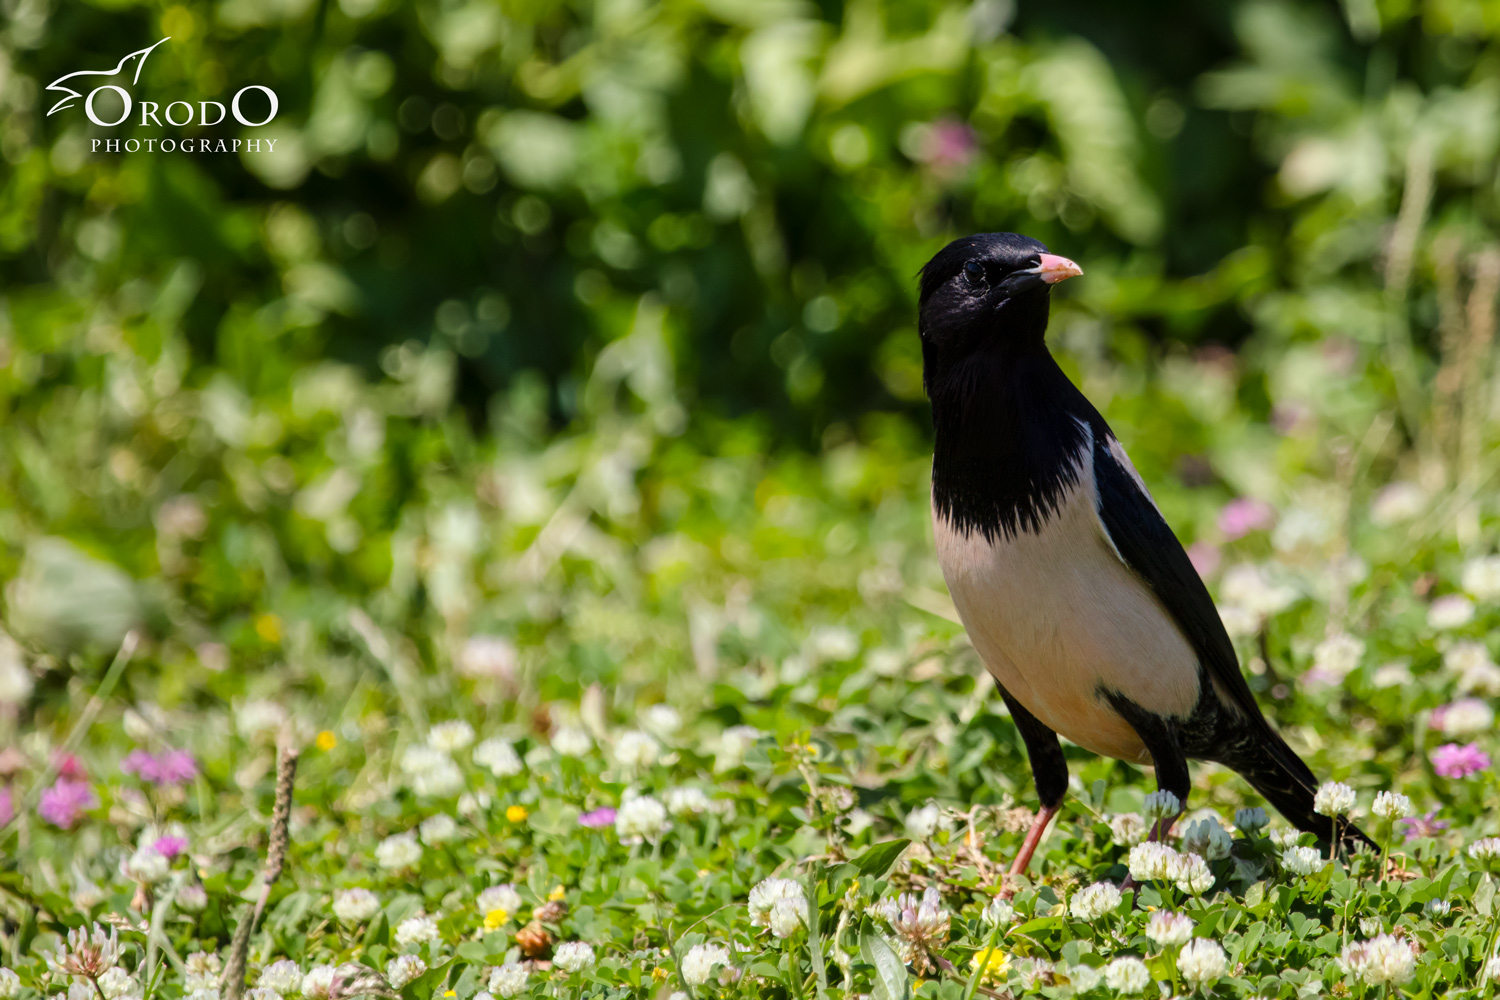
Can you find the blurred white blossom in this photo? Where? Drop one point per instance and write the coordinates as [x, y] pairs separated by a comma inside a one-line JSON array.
[[570, 741], [1481, 578], [399, 851], [450, 736], [403, 969], [636, 750], [498, 756], [355, 906], [1450, 611], [640, 818]]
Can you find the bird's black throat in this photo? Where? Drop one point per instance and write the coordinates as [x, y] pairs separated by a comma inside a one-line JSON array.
[[1008, 437]]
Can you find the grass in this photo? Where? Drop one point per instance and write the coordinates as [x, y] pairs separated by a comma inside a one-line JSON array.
[[629, 678]]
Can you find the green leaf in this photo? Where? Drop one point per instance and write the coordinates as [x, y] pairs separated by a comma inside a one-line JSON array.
[[876, 861], [891, 982], [1484, 898]]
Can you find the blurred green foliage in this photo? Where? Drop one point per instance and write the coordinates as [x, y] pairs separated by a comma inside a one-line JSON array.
[[687, 233]]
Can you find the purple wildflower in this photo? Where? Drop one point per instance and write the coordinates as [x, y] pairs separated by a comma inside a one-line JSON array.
[[169, 846], [601, 817], [950, 146], [1205, 558], [61, 804], [170, 767], [7, 805], [1452, 760], [1416, 827], [1240, 517]]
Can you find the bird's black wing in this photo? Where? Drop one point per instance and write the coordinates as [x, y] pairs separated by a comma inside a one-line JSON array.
[[1147, 545]]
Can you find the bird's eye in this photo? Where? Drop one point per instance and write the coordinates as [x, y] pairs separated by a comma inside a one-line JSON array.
[[974, 272]]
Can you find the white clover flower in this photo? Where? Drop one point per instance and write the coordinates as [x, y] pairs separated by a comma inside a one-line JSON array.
[[1094, 902], [76, 991], [471, 804], [489, 656], [637, 750], [1438, 907], [1485, 849], [1462, 657], [1333, 798], [318, 982], [1370, 926], [257, 718], [998, 912], [1192, 874], [499, 897], [403, 969], [10, 983], [734, 742], [1302, 860], [923, 823], [1481, 578], [498, 756], [438, 829], [148, 865], [441, 782], [1202, 961], [1464, 716], [1151, 860], [399, 851], [765, 895], [1238, 622], [117, 984], [418, 929], [1127, 975], [1482, 679], [698, 965], [833, 642], [1083, 977], [1162, 804], [640, 818], [1208, 838], [355, 906], [1251, 820], [1285, 836], [200, 969], [1388, 959], [1128, 829], [280, 977], [209, 992], [192, 898], [920, 924], [686, 801], [663, 720], [261, 993], [1397, 502], [420, 758], [1251, 587], [1397, 673], [508, 980], [451, 736], [786, 916], [1450, 611], [570, 741], [573, 956], [1338, 655], [1168, 930], [16, 682], [1392, 805]]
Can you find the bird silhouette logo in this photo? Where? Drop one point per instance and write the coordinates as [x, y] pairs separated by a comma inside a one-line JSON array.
[[71, 95]]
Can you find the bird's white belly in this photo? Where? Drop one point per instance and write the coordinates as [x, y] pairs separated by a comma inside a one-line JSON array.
[[1057, 615]]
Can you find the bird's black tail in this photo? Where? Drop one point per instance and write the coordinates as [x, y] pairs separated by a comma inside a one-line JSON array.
[[1276, 772]]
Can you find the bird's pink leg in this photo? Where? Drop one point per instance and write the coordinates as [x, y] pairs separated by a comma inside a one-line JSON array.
[[1028, 846]]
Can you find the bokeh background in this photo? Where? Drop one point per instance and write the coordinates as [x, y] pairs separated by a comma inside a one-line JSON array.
[[572, 342]]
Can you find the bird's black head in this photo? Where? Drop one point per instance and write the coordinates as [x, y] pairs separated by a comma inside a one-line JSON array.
[[987, 292]]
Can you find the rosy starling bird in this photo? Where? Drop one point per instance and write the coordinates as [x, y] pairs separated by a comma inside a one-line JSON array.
[[1073, 589]]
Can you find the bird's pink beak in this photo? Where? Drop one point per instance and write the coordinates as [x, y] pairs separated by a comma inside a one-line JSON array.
[[1054, 268]]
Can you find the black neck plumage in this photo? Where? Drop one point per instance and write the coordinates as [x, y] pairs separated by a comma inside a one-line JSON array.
[[1008, 438]]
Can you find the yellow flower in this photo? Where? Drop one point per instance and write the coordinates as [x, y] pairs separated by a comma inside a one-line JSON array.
[[495, 919], [268, 627], [993, 964], [516, 814], [450, 993], [327, 741], [659, 974], [558, 892]]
